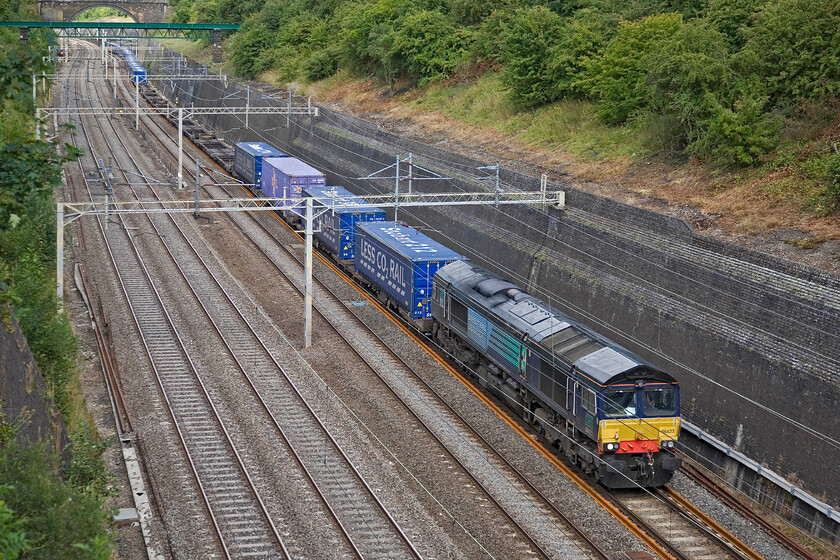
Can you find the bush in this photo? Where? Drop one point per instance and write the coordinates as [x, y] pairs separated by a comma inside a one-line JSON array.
[[12, 541], [249, 46], [528, 40], [470, 12], [831, 193], [430, 44], [59, 519], [235, 11], [689, 65], [793, 45], [732, 17], [584, 37], [321, 64], [735, 134], [618, 79]]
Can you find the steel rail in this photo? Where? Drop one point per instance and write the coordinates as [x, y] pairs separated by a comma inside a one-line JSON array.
[[615, 512], [713, 529], [193, 470], [733, 502], [164, 392], [229, 439], [566, 521], [674, 551], [109, 365], [579, 533], [267, 408]]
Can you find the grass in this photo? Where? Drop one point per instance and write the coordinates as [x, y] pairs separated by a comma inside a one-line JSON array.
[[571, 126]]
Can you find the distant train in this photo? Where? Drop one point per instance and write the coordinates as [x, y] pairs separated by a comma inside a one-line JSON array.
[[136, 71], [611, 412]]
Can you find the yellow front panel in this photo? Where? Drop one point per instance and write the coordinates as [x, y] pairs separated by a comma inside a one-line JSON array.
[[634, 429]]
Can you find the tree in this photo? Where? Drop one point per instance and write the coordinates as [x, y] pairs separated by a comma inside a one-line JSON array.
[[793, 46], [732, 17], [618, 78], [430, 44], [528, 40], [248, 47], [584, 37]]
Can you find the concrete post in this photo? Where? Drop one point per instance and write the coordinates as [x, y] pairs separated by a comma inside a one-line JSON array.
[[195, 195], [410, 170], [397, 188], [180, 147], [59, 255], [307, 274]]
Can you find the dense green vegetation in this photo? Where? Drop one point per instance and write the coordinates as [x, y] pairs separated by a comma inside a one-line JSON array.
[[716, 79], [98, 13], [48, 509]]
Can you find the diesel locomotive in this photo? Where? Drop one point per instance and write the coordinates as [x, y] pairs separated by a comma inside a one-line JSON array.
[[611, 412]]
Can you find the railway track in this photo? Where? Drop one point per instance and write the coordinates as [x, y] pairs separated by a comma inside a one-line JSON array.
[[238, 515], [445, 426], [367, 527], [733, 502], [520, 484], [684, 536]]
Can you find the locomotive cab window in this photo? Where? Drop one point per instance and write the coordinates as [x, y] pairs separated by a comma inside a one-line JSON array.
[[618, 404], [659, 401]]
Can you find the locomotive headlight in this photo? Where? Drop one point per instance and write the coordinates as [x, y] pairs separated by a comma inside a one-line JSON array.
[[611, 446], [668, 444]]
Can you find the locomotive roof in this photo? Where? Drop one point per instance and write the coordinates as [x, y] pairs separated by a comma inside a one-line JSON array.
[[592, 354]]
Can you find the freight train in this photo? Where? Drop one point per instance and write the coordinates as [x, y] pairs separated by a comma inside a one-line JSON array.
[[608, 410], [136, 71]]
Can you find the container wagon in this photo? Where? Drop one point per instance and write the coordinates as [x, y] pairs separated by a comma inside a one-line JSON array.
[[286, 178], [335, 229], [398, 262], [248, 159]]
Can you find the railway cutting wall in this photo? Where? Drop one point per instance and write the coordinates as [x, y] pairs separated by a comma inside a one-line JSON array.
[[751, 338], [24, 398]]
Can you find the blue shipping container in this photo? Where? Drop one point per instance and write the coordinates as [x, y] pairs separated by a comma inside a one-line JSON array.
[[401, 261], [287, 177], [336, 228], [248, 158]]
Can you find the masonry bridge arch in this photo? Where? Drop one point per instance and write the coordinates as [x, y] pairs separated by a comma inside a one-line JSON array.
[[141, 11]]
